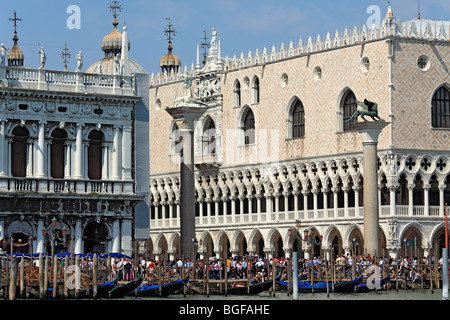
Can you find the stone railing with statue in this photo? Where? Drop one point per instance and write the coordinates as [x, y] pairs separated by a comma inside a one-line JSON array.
[[64, 81]]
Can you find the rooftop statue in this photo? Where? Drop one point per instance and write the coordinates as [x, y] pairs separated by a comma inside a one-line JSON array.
[[3, 51], [79, 61], [188, 95], [41, 52], [369, 109]]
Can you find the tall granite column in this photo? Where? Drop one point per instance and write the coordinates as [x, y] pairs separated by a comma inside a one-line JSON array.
[[369, 132], [186, 115]]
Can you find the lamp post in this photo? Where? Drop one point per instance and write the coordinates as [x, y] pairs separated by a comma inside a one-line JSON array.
[[54, 235]]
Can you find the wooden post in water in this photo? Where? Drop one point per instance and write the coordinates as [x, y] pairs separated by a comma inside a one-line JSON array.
[[41, 277], [66, 287], [248, 276], [13, 278], [158, 274], [94, 277], [326, 279], [46, 276], [55, 277], [288, 275], [220, 275], [396, 277], [77, 264], [273, 277], [207, 278], [226, 278], [333, 277], [22, 277]]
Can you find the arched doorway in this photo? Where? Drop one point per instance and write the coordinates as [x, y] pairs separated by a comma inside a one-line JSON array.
[[411, 243], [20, 243], [95, 238]]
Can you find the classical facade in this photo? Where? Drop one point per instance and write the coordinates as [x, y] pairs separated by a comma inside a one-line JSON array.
[[276, 156], [67, 153]]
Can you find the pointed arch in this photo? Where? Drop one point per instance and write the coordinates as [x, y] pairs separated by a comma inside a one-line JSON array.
[[440, 107]]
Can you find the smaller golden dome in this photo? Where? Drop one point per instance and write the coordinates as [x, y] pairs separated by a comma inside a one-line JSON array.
[[15, 55], [170, 61], [112, 43]]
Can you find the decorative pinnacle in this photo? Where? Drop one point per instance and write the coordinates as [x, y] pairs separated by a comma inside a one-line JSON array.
[[65, 54], [205, 45], [15, 19], [116, 8], [169, 31]]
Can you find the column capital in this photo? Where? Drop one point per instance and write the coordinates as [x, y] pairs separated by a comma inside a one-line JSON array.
[[370, 130]]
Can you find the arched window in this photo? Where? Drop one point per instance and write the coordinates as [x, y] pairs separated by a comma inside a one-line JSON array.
[[440, 108], [237, 94], [249, 127], [59, 138], [209, 137], [349, 107], [255, 90], [298, 120], [175, 140], [19, 152], [95, 148]]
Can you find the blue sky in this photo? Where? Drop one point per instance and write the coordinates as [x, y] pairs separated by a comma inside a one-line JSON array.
[[242, 25]]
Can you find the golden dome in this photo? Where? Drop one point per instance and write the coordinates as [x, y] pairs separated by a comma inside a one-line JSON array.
[[15, 55], [112, 43], [170, 61]]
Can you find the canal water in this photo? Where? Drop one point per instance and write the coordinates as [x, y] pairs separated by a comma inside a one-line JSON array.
[[423, 295]]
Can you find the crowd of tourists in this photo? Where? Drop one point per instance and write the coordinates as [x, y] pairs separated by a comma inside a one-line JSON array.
[[261, 269], [255, 267]]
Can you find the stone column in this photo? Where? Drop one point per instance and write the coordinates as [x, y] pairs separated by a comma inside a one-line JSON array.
[[78, 161], [3, 148], [116, 236], [40, 151], [411, 199], [369, 132], [126, 233], [40, 248], [393, 200], [115, 161], [78, 249], [441, 200], [186, 114], [426, 199], [356, 189]]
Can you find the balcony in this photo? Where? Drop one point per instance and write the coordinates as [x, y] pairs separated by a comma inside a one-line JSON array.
[[60, 81], [207, 161], [308, 217], [66, 186]]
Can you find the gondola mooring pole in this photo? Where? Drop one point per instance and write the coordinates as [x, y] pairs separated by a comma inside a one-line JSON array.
[[295, 274]]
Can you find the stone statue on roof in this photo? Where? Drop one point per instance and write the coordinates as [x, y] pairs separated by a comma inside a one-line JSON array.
[[3, 52], [79, 61], [43, 60]]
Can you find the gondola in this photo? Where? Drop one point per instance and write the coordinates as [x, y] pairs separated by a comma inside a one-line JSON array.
[[363, 287], [103, 289], [321, 287], [122, 291], [253, 288], [167, 289]]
